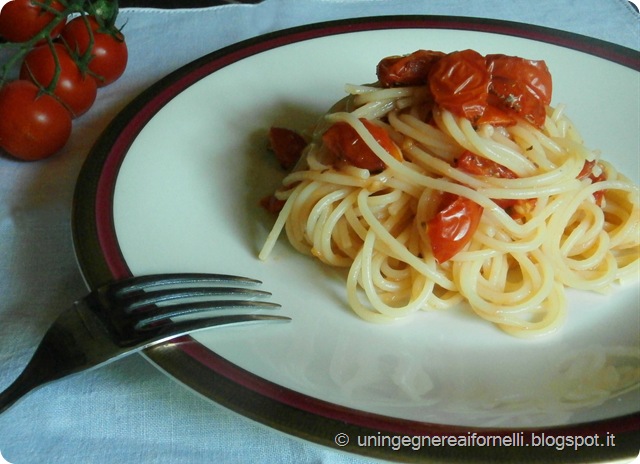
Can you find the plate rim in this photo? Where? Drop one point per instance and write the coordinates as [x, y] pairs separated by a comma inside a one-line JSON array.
[[280, 408]]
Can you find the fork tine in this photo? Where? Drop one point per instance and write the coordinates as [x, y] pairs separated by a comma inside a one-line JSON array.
[[137, 283], [159, 313], [150, 297], [165, 332]]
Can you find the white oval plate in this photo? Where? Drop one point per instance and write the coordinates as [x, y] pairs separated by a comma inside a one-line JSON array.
[[174, 184]]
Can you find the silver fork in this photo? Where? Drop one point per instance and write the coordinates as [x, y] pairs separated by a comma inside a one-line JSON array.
[[127, 316]]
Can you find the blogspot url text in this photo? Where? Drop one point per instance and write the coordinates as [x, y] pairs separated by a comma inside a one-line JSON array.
[[473, 439]]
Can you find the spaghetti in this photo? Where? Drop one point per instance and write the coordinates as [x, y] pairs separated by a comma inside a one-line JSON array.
[[432, 196]]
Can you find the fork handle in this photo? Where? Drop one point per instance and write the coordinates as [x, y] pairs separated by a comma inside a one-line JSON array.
[[34, 375]]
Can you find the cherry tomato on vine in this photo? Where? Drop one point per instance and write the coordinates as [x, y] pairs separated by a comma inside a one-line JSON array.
[[109, 52], [76, 90], [21, 20], [453, 226], [32, 125]]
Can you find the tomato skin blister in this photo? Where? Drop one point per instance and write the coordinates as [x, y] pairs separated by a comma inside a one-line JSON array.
[[460, 82], [413, 69], [522, 87]]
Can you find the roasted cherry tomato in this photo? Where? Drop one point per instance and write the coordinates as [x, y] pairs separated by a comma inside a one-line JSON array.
[[109, 52], [21, 20], [345, 143], [494, 115], [473, 164], [587, 173], [495, 89], [76, 90], [452, 228], [32, 125], [534, 75], [477, 165], [410, 69], [272, 204], [287, 145], [522, 87], [459, 83]]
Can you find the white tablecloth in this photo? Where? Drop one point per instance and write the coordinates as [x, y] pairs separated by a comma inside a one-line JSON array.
[[129, 411]]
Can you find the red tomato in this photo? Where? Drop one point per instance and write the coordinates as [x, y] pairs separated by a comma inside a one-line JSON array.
[[109, 52], [410, 69], [522, 87], [21, 20], [495, 89], [75, 90], [532, 74], [459, 83], [495, 115], [32, 126], [587, 173], [477, 165], [272, 204], [587, 167], [345, 143], [287, 145], [453, 226], [474, 164]]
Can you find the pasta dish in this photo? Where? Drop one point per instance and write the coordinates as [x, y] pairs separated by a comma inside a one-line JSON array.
[[452, 179]]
